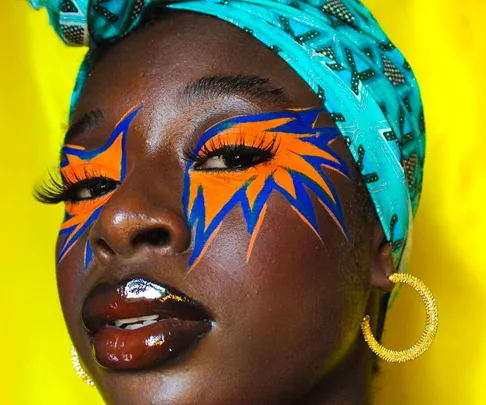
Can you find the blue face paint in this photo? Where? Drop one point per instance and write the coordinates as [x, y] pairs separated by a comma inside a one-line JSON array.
[[78, 165], [300, 151]]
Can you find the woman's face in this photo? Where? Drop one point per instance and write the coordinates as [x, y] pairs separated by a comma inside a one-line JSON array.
[[208, 202]]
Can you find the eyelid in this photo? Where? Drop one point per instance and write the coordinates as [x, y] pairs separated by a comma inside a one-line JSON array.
[[86, 207], [234, 138], [74, 173], [228, 176], [245, 138]]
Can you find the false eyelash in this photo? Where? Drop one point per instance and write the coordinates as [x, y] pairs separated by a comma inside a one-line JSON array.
[[56, 188], [212, 148], [51, 190]]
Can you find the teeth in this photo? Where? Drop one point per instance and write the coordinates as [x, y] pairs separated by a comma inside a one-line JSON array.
[[139, 325], [135, 323], [133, 327], [149, 322]]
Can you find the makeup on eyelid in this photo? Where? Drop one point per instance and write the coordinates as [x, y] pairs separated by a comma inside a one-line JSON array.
[[80, 173], [79, 165], [300, 151], [284, 151]]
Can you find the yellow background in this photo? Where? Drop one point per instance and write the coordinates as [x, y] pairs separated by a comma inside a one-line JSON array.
[[445, 41]]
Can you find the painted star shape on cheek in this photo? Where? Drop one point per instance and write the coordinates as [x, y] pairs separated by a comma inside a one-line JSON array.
[[77, 165], [296, 168]]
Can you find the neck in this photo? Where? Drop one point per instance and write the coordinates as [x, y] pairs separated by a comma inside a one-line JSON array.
[[348, 384]]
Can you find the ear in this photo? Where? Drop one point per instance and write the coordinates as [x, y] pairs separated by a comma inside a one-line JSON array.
[[382, 265]]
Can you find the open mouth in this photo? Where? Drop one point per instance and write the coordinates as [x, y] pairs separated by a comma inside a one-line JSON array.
[[140, 324], [136, 323]]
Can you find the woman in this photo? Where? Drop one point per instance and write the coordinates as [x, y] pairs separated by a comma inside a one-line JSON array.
[[239, 180]]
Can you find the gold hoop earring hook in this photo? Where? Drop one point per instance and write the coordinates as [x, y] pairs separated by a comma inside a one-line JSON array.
[[428, 336], [79, 368]]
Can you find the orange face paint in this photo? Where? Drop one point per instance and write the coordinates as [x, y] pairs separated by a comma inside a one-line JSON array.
[[77, 165], [302, 151]]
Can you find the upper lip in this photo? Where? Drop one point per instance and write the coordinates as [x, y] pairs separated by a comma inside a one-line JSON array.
[[116, 305]]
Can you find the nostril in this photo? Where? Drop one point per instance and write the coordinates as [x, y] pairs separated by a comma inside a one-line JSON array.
[[154, 237]]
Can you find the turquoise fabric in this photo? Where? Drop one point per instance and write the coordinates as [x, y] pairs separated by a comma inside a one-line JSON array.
[[339, 50]]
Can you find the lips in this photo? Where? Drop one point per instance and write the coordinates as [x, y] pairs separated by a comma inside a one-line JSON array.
[[139, 324]]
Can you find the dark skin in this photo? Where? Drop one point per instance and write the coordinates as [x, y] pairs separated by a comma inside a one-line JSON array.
[[286, 325]]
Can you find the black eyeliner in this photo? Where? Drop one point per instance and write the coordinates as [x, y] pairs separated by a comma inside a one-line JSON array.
[[57, 189], [210, 149]]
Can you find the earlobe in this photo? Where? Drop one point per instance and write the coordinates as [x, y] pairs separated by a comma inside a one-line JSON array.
[[382, 266]]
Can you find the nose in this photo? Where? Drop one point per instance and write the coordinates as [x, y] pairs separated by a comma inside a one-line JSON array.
[[131, 222]]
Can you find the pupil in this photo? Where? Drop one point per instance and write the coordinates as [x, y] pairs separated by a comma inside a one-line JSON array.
[[100, 188], [241, 160]]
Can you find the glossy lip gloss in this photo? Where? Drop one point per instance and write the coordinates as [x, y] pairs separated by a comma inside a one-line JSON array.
[[140, 324]]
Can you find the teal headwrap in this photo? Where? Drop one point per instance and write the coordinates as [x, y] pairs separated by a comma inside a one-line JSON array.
[[340, 51]]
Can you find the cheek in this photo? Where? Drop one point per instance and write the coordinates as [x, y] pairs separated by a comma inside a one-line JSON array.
[[292, 305], [70, 280], [302, 280]]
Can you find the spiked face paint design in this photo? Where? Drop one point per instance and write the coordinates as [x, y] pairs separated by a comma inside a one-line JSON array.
[[79, 168], [244, 159]]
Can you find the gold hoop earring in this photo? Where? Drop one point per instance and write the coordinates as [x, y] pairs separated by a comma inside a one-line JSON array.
[[79, 368], [428, 335]]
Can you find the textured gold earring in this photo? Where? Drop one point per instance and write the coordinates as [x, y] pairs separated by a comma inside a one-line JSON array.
[[79, 368], [428, 335]]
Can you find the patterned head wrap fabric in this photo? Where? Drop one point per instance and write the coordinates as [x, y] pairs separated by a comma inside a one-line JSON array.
[[340, 51]]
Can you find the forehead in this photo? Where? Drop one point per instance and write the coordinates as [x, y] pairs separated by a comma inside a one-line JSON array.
[[152, 65]]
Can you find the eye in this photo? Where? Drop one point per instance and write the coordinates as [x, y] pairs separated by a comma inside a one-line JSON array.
[[91, 189], [236, 157]]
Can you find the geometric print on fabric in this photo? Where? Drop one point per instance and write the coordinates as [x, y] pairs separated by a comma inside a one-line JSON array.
[[74, 34], [392, 72], [357, 77], [409, 165], [337, 9], [67, 6], [137, 9], [73, 22], [104, 12], [328, 52], [300, 33]]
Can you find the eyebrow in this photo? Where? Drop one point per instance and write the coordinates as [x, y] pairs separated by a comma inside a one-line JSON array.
[[88, 122], [253, 87]]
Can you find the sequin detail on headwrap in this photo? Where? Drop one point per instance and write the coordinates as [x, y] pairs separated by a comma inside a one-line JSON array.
[[340, 51]]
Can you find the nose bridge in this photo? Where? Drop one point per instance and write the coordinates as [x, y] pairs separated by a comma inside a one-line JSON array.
[[144, 211]]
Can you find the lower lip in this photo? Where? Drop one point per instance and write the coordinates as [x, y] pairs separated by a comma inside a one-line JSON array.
[[149, 346]]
